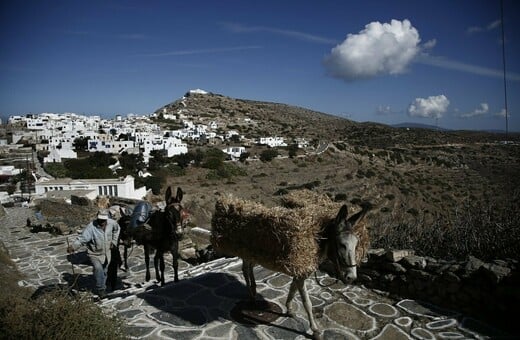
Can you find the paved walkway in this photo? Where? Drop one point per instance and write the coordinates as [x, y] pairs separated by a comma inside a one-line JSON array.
[[209, 301]]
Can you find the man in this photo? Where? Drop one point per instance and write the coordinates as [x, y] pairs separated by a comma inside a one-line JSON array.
[[99, 236]]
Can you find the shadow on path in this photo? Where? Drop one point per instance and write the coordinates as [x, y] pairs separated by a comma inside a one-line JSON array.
[[210, 297]]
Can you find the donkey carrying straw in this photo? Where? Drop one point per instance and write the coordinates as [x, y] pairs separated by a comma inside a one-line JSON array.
[[158, 231], [291, 241]]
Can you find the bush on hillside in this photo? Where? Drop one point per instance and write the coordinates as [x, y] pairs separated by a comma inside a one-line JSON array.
[[268, 155], [487, 230], [52, 315]]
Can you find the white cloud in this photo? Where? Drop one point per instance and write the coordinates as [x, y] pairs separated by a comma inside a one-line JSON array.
[[489, 27], [238, 28], [384, 110], [431, 107], [463, 67], [502, 114], [479, 111], [379, 49], [201, 51]]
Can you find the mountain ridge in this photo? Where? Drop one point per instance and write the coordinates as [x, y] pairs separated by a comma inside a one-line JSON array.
[[414, 174]]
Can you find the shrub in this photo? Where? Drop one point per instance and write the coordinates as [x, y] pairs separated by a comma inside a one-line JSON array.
[[268, 155], [484, 229], [56, 315], [153, 183], [213, 159], [57, 170], [226, 170], [340, 197]]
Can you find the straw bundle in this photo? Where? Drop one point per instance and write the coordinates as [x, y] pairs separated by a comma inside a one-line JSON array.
[[322, 204], [280, 239]]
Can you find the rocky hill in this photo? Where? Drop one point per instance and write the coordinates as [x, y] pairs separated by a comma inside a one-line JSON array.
[[415, 175], [255, 119]]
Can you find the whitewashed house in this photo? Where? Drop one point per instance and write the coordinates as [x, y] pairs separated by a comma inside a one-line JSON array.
[[9, 170], [234, 151], [171, 145], [272, 142], [231, 133], [57, 154], [110, 146], [115, 187]]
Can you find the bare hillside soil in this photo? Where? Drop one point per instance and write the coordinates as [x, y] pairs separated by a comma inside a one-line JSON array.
[[419, 183]]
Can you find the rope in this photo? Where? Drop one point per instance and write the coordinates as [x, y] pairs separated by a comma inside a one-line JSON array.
[[76, 276]]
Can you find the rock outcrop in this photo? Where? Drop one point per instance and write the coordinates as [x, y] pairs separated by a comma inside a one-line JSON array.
[[485, 290]]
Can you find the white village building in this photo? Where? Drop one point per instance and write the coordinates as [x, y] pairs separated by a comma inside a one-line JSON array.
[[272, 141], [234, 151], [115, 187]]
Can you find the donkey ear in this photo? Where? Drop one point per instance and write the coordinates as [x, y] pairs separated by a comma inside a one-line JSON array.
[[178, 198], [168, 194], [342, 214]]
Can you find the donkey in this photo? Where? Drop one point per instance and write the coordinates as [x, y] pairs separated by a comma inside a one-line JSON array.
[[125, 239], [338, 242], [162, 237]]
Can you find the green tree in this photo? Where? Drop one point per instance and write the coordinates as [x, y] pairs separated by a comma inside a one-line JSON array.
[[81, 143], [131, 163], [183, 160], [293, 150], [213, 158], [244, 156], [157, 159], [268, 155], [153, 183], [57, 170]]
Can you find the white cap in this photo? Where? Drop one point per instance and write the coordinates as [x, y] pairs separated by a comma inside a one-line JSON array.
[[102, 214]]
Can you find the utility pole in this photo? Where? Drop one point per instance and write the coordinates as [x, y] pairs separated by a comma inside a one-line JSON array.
[[504, 63]]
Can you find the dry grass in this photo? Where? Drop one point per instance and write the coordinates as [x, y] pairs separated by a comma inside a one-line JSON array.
[[51, 315], [487, 230]]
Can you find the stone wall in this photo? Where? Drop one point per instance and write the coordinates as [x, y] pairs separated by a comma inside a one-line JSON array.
[[488, 291], [73, 215]]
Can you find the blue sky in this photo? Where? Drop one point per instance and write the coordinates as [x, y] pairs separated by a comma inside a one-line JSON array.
[[432, 62]]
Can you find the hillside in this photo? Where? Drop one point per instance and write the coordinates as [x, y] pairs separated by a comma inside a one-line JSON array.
[[419, 176]]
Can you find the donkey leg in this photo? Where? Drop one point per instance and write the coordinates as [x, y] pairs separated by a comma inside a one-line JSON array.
[[147, 261], [157, 265], [175, 264], [249, 276], [300, 283], [125, 255], [290, 297], [162, 267]]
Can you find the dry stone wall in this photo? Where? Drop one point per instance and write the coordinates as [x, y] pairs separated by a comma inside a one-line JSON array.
[[489, 291]]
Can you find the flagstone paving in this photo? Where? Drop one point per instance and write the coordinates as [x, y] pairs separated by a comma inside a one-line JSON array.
[[210, 301]]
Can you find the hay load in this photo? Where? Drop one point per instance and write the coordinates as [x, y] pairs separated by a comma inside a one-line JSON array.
[[283, 239], [291, 241], [280, 239], [322, 204]]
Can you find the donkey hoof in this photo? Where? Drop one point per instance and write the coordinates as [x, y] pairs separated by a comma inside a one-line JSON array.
[[316, 335]]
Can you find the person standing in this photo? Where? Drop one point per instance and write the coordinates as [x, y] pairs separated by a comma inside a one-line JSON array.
[[99, 236]]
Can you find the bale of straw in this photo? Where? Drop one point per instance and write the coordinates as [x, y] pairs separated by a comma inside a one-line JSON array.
[[280, 239], [322, 204], [305, 197], [308, 198]]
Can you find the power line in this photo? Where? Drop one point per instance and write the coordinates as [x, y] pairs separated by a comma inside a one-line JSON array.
[[504, 62]]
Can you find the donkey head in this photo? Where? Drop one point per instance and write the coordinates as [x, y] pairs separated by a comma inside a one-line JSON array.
[[344, 242], [175, 213]]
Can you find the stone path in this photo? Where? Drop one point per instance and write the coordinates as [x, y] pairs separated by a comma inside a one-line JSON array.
[[208, 302]]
